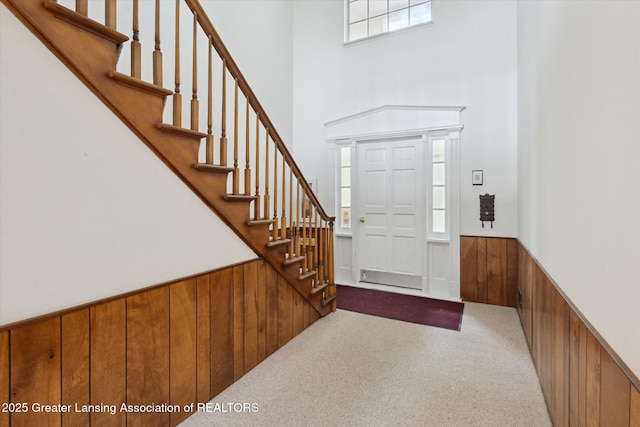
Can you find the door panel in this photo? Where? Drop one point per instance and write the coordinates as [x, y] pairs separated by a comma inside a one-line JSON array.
[[391, 207]]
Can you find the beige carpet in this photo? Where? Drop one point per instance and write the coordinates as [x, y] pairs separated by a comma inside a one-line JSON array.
[[351, 369]]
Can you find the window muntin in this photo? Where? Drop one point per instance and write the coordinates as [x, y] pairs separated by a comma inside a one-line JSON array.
[[345, 187], [367, 18], [438, 187]]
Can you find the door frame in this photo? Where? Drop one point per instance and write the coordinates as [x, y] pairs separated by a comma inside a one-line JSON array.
[[393, 122]]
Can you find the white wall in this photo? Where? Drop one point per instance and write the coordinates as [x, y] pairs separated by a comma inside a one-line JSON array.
[[579, 157], [467, 58], [87, 211], [258, 34]]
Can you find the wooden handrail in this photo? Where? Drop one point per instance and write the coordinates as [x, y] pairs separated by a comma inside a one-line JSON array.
[[208, 28]]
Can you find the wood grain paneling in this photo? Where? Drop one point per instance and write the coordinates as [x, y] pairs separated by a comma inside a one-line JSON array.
[[482, 270], [298, 314], [592, 417], [221, 330], [489, 270], [634, 407], [75, 366], [203, 338], [581, 382], [174, 344], [261, 298], [512, 272], [35, 371], [272, 310], [497, 271], [183, 347], [238, 322], [108, 329], [250, 334], [614, 393], [468, 268], [285, 313], [4, 376], [148, 355]]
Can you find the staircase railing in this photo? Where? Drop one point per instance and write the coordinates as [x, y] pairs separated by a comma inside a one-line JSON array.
[[246, 144]]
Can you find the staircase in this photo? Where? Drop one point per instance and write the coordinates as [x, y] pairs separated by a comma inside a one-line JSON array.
[[245, 173]]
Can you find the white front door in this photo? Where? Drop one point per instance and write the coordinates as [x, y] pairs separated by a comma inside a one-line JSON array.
[[391, 215]]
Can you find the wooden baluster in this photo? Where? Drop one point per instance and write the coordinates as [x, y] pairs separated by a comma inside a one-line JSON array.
[[291, 232], [316, 246], [195, 106], [209, 140], [223, 133], [136, 48], [267, 206], [323, 246], [283, 217], [82, 7], [157, 54], [326, 251], [313, 240], [177, 96], [247, 167], [274, 231], [256, 202], [236, 171], [297, 222], [331, 288], [110, 13], [303, 242], [319, 239]]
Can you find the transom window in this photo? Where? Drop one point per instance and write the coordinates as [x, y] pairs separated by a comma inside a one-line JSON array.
[[367, 18]]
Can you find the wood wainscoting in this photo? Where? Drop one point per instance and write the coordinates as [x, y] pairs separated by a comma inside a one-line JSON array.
[[175, 344], [489, 270], [583, 381]]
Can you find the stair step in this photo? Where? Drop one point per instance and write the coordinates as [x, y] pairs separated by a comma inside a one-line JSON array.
[[308, 274], [319, 288], [180, 131], [293, 260], [239, 198], [205, 167], [273, 243], [327, 301], [140, 85], [258, 222], [82, 21]]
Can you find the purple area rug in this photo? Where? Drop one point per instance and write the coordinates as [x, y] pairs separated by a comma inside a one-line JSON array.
[[408, 308]]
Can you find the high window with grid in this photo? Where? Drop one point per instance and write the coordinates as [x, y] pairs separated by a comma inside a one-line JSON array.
[[368, 18]]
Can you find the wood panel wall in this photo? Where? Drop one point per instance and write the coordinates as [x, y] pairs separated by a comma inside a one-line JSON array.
[[489, 270], [581, 382], [175, 344]]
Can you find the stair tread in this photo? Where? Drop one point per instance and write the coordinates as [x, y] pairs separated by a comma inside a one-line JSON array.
[[85, 22], [327, 301], [319, 288], [257, 222], [139, 84], [293, 260], [308, 274], [278, 242], [239, 198], [180, 131], [205, 167]]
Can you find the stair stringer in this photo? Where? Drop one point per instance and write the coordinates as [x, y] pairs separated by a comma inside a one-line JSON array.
[[92, 56]]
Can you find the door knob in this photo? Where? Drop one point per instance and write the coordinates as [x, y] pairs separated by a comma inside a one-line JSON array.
[[361, 219]]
